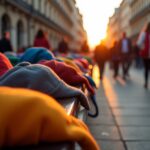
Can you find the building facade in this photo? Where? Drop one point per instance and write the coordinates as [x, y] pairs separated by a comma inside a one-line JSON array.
[[79, 33], [23, 19], [113, 30], [132, 16], [140, 15], [125, 16]]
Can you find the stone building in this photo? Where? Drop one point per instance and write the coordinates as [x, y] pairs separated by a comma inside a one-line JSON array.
[[140, 14], [130, 17], [23, 19], [79, 33], [113, 30], [125, 16]]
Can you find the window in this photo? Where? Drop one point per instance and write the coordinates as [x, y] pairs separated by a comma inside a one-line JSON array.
[[5, 24], [20, 33]]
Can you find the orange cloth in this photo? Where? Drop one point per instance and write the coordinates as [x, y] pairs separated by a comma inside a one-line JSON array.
[[71, 63], [5, 64], [28, 117]]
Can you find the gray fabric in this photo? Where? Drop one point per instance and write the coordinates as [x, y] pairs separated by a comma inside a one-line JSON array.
[[41, 78]]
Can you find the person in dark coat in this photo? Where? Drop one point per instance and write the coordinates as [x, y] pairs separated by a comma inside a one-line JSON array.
[[63, 46], [115, 56], [125, 48], [5, 44], [100, 56]]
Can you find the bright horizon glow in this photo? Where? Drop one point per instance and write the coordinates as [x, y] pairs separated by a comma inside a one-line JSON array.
[[96, 15]]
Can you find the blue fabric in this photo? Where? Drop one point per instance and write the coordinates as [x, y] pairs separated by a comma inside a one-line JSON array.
[[91, 81], [35, 54], [74, 56], [93, 98], [41, 78], [96, 113]]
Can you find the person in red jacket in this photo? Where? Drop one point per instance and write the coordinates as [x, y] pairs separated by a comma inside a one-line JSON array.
[[41, 40], [144, 44]]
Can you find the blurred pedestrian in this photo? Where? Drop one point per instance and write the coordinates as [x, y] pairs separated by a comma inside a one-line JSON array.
[[125, 47], [115, 56], [63, 46], [5, 44], [137, 57], [41, 40], [144, 44], [101, 56]]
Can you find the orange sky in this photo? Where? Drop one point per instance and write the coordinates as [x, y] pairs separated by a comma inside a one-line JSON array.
[[96, 14]]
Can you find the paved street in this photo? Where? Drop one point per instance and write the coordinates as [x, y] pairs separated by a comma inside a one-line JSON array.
[[124, 120]]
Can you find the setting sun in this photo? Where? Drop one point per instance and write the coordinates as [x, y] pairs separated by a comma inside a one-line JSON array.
[[96, 14]]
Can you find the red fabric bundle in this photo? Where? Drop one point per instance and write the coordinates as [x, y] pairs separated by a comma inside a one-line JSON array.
[[80, 65], [5, 64], [42, 42], [67, 74], [84, 62]]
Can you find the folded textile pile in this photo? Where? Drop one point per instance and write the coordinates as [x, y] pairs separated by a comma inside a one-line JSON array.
[[71, 63], [68, 74], [35, 54], [29, 96], [41, 78], [13, 57]]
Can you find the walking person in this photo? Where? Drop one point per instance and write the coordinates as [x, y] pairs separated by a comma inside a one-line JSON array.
[[143, 43], [126, 54], [63, 46], [115, 56], [5, 43], [101, 56], [41, 40]]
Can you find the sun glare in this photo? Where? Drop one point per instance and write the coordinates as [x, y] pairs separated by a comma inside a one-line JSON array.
[[95, 38], [96, 15]]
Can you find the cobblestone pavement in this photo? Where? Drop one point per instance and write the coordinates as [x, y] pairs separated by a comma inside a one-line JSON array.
[[124, 120]]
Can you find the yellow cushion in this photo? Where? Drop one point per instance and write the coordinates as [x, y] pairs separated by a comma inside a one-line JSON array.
[[29, 117]]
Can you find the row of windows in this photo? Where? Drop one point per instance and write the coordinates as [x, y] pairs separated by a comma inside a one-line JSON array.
[[51, 11], [6, 25], [135, 8], [21, 29], [48, 9], [138, 6]]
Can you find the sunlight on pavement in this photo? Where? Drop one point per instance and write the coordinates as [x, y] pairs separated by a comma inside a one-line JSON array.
[[121, 81], [109, 91], [96, 75]]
